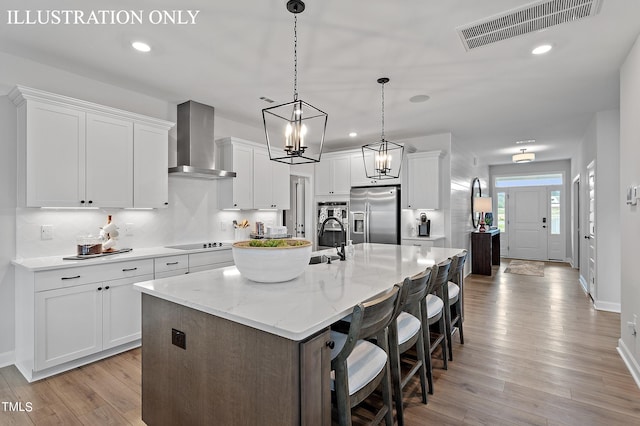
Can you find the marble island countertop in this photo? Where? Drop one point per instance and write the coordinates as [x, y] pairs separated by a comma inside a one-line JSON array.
[[429, 238], [297, 309]]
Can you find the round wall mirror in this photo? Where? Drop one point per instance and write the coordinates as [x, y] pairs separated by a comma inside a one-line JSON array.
[[476, 191]]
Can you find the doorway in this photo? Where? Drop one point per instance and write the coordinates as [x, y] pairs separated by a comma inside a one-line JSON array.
[[530, 216]]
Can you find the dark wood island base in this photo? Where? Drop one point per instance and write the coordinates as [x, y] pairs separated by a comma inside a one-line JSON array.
[[229, 373]]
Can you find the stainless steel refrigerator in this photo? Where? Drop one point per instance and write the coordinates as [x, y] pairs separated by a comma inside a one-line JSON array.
[[375, 215]]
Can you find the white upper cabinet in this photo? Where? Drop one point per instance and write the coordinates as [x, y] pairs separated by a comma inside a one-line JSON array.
[[109, 161], [270, 182], [150, 162], [333, 175], [423, 180], [259, 183], [359, 174], [73, 153], [52, 150], [237, 192]]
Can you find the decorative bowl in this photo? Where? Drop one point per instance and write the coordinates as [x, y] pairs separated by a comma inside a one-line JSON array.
[[271, 261]]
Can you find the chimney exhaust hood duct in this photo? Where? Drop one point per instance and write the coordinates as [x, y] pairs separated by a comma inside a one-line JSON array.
[[195, 143]]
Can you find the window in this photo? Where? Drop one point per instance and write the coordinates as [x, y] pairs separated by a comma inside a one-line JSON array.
[[501, 217], [530, 180], [554, 203]]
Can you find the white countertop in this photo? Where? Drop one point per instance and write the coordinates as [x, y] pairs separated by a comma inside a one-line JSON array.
[[297, 309], [35, 264], [429, 238]]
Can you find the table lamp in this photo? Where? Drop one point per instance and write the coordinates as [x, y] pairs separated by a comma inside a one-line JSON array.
[[483, 205]]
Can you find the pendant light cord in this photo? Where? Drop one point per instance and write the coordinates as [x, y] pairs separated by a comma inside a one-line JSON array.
[[295, 57], [382, 135]]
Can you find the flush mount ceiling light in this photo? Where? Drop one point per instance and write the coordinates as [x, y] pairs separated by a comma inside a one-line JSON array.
[[542, 49], [382, 160], [353, 134], [141, 46], [295, 130], [523, 157]]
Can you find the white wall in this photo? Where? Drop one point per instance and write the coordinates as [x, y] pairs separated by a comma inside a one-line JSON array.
[[601, 144], [464, 168], [192, 215], [629, 345], [608, 204]]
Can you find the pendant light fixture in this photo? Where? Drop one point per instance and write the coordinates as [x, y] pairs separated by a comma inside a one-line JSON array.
[[523, 157], [295, 130], [382, 160]]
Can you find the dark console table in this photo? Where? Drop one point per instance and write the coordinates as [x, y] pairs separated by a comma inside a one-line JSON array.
[[485, 251]]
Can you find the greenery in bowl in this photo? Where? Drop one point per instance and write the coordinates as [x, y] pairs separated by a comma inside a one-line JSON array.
[[277, 243]]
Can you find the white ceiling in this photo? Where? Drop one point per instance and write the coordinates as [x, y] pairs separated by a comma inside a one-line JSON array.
[[241, 50]]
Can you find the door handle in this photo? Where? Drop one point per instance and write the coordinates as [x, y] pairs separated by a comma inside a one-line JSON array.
[[586, 237]]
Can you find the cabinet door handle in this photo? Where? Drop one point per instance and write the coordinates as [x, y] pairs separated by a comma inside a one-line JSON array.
[[106, 288], [129, 269], [172, 263], [331, 344], [81, 201], [70, 278], [90, 202], [99, 288], [166, 203]]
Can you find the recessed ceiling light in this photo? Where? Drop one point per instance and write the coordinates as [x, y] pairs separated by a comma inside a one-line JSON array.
[[542, 49], [141, 46], [419, 98], [525, 141], [353, 134]]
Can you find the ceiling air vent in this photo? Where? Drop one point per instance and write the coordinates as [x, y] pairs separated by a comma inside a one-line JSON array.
[[526, 19]]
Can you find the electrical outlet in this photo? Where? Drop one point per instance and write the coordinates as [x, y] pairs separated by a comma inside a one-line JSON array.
[[128, 229], [46, 232], [223, 226], [179, 338]]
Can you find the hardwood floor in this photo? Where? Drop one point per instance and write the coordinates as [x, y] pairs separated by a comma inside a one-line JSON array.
[[535, 352]]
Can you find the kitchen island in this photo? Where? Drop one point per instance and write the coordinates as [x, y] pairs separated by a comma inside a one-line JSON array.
[[220, 349]]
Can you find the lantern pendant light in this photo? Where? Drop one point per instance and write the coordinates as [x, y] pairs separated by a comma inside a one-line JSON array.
[[295, 130], [382, 160]]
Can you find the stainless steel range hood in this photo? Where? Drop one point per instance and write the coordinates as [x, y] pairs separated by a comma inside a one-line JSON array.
[[195, 143]]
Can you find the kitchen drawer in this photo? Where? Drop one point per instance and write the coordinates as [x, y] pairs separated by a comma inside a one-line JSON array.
[[211, 258], [424, 243], [68, 277], [193, 269], [173, 273], [170, 263]]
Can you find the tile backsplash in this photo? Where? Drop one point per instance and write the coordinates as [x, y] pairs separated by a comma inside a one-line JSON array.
[[192, 216]]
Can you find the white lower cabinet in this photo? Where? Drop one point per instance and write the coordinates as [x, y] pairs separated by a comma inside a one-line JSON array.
[[121, 312], [68, 324], [72, 316]]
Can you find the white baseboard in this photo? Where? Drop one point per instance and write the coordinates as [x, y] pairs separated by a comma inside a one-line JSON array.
[[629, 361], [583, 284], [7, 358], [607, 306]]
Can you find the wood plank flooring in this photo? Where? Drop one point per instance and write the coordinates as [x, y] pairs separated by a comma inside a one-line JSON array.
[[535, 353]]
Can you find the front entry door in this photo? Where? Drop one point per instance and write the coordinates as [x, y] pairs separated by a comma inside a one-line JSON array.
[[528, 223]]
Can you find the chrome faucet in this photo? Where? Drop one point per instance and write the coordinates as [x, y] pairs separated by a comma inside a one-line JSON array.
[[321, 233]]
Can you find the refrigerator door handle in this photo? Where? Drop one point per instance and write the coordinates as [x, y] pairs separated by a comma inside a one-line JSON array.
[[366, 222]]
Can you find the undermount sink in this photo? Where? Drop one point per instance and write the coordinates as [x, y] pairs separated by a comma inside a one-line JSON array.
[[323, 258]]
